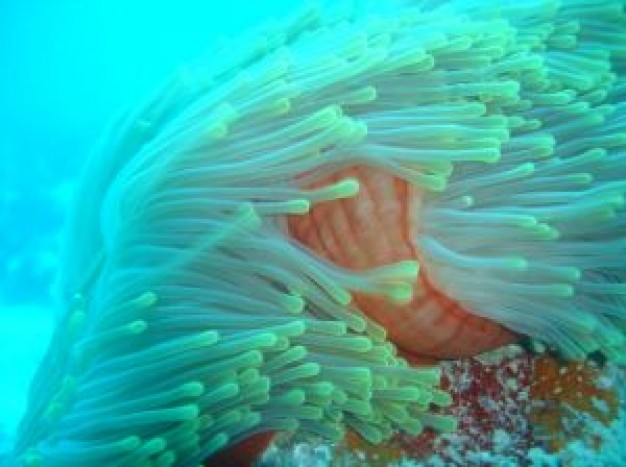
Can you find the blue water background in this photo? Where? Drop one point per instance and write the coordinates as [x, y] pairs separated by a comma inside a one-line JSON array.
[[66, 69]]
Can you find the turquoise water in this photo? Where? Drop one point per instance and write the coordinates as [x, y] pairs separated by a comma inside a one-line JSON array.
[[68, 68]]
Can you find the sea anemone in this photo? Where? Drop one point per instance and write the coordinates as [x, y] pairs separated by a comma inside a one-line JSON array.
[[217, 290], [500, 167]]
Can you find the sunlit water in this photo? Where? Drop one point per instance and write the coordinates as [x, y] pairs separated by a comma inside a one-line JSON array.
[[68, 68]]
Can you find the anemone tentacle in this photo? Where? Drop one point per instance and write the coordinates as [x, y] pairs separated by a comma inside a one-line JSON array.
[[195, 320]]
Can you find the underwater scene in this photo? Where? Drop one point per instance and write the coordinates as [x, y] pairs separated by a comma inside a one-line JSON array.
[[312, 233]]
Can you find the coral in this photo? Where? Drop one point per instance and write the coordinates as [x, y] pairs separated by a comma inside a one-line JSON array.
[[566, 396], [491, 402], [516, 409], [355, 447]]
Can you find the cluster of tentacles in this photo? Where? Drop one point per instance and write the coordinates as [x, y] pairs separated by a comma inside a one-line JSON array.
[[250, 247]]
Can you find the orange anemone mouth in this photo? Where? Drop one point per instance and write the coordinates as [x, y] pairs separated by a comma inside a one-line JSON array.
[[376, 228]]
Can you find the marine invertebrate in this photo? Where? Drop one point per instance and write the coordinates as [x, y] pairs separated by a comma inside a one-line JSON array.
[[201, 312], [512, 136], [369, 230], [563, 390], [491, 404]]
